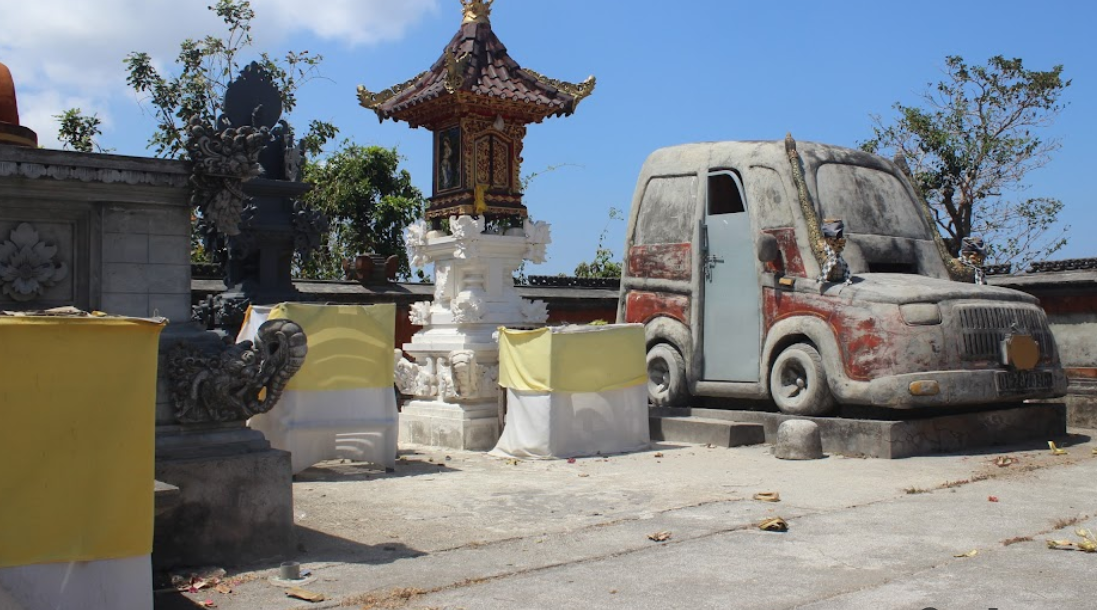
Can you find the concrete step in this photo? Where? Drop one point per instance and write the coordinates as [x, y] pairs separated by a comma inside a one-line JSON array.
[[706, 431]]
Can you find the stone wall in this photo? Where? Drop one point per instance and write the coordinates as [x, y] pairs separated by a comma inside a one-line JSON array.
[[119, 226]]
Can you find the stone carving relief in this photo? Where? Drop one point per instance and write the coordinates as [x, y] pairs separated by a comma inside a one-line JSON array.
[[419, 313], [222, 162], [27, 265], [416, 241], [60, 171], [227, 385], [309, 227], [468, 309], [442, 284], [466, 373], [406, 373], [466, 230], [444, 375], [538, 237], [489, 380], [534, 312]]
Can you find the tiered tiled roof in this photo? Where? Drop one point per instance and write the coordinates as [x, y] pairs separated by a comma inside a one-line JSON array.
[[475, 70]]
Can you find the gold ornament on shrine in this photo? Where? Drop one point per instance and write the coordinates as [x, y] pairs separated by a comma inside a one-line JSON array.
[[477, 102]]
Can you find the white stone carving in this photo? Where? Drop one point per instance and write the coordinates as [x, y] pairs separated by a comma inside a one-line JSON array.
[[406, 373], [446, 389], [489, 380], [419, 313], [534, 312], [466, 373], [538, 237], [416, 240], [468, 309], [426, 381], [467, 232], [27, 266], [442, 282]]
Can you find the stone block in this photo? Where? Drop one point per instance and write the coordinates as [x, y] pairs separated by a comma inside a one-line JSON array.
[[125, 304], [169, 221], [706, 431], [232, 510], [798, 439], [169, 249], [125, 278], [130, 221], [125, 248], [168, 279]]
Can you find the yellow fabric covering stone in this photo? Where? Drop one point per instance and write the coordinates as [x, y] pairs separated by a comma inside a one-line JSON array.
[[572, 359], [350, 346], [78, 405]]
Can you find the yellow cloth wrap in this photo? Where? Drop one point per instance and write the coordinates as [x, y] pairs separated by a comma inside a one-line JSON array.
[[78, 406], [350, 346], [609, 358]]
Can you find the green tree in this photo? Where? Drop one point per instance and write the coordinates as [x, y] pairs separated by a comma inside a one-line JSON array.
[[79, 131], [603, 265], [369, 201], [207, 68], [970, 147]]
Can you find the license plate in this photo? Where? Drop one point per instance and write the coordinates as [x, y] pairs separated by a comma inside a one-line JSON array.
[[1022, 382]]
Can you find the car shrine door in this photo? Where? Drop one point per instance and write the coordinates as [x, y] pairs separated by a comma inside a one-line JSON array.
[[732, 296]]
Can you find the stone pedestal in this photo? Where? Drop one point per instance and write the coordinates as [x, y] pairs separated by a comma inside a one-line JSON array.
[[454, 376], [210, 525]]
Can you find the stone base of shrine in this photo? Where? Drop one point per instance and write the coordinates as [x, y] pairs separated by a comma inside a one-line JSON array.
[[471, 427]]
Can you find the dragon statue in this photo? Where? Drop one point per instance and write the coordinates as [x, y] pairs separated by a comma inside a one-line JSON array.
[[237, 381]]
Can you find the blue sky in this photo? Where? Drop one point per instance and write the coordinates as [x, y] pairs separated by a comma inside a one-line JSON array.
[[668, 73]]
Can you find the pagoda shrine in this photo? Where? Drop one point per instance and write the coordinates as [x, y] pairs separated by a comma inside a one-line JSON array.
[[477, 102]]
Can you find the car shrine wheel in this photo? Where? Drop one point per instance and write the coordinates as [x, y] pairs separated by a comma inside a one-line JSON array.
[[666, 377], [798, 382]]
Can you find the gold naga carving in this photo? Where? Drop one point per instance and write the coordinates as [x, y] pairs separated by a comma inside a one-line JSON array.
[[807, 208], [455, 70], [956, 268], [373, 101], [579, 91]]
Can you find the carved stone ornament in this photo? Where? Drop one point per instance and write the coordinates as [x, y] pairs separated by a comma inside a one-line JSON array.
[[407, 373], [419, 313], [416, 241], [538, 237], [444, 375], [309, 227], [466, 373], [227, 385], [442, 284], [222, 162], [468, 309], [535, 312], [27, 266], [467, 231]]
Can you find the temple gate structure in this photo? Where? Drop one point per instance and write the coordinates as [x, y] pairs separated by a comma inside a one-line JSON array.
[[477, 102]]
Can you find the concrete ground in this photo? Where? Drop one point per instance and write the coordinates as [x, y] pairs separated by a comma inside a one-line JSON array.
[[461, 530]]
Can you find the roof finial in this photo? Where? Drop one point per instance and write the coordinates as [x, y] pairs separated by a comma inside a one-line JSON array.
[[477, 11]]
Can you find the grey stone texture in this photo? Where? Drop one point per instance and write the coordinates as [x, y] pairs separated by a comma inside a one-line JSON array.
[[798, 439], [949, 432], [232, 510], [121, 224], [705, 431]]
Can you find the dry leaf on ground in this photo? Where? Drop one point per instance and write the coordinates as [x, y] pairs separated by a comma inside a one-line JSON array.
[[659, 536], [768, 496], [305, 594], [776, 524], [1005, 460], [658, 454], [1055, 450], [971, 553]]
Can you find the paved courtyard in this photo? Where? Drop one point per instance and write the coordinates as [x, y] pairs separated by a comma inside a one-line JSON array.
[[453, 530]]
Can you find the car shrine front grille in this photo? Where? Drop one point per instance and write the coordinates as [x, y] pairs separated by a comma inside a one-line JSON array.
[[984, 328]]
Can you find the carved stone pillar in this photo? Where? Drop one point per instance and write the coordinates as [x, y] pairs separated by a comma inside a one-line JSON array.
[[453, 378]]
